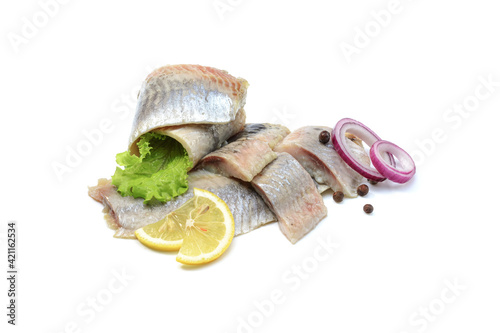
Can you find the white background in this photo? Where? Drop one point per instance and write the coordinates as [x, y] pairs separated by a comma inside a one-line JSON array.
[[83, 65]]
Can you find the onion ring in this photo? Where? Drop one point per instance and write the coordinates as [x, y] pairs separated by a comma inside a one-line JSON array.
[[368, 136], [407, 166]]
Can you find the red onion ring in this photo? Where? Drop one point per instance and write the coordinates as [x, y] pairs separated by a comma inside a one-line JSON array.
[[407, 166], [368, 136]]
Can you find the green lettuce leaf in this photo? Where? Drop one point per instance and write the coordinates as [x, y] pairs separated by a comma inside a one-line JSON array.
[[158, 173]]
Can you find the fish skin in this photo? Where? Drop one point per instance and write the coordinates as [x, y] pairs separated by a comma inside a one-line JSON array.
[[201, 139], [292, 195], [126, 214], [322, 161], [321, 187], [186, 94], [247, 153], [270, 133]]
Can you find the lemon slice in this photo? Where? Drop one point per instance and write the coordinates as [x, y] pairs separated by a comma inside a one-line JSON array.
[[201, 229], [166, 234], [209, 230]]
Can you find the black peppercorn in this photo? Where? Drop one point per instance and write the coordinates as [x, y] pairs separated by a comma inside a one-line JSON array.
[[338, 196], [373, 182], [368, 209], [363, 190], [324, 137]]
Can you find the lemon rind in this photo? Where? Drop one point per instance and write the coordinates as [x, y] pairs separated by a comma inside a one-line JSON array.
[[157, 243]]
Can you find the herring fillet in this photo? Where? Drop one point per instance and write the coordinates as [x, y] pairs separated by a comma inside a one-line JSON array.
[[291, 194], [247, 153], [126, 214], [186, 94], [322, 162], [201, 139]]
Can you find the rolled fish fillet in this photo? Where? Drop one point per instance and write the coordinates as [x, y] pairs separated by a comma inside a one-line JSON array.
[[201, 139], [190, 94]]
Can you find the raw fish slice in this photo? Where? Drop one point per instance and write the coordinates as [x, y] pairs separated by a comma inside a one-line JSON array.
[[321, 187], [201, 139], [322, 162], [247, 153], [270, 133], [126, 214], [291, 194], [187, 94]]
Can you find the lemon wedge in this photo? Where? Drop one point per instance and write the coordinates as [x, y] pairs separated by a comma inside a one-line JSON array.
[[201, 229]]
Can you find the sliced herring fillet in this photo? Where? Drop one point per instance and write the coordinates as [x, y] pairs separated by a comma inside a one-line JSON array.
[[201, 139], [126, 214], [247, 153], [321, 187], [291, 194], [322, 162], [187, 94]]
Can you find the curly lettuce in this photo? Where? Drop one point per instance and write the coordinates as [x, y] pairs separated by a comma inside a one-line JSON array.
[[159, 173]]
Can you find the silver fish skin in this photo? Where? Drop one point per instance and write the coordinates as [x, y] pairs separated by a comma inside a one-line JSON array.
[[247, 153], [187, 94], [126, 214], [292, 195], [201, 139], [322, 162]]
